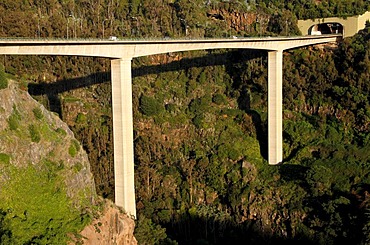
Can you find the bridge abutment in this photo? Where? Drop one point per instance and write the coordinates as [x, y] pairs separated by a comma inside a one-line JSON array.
[[275, 107], [123, 135]]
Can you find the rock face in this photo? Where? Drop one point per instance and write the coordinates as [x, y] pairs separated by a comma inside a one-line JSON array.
[[239, 21], [111, 228], [45, 176], [31, 135]]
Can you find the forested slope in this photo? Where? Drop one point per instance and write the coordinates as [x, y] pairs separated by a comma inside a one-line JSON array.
[[200, 118]]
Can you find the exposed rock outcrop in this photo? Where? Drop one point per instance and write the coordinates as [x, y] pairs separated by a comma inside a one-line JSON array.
[[30, 134], [39, 144], [112, 227]]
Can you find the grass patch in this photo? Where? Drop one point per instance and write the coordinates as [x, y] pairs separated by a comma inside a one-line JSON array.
[[70, 99], [81, 118], [77, 167], [49, 134], [74, 148], [37, 209], [37, 112], [34, 133], [14, 119], [4, 158], [61, 131]]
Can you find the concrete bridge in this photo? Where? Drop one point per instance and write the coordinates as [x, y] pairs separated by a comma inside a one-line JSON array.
[[122, 52], [347, 26]]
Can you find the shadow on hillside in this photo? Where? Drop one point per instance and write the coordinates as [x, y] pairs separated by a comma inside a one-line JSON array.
[[102, 77], [245, 89], [52, 90], [191, 229]]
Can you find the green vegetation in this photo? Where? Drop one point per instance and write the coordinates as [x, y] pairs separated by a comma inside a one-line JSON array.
[[200, 119], [61, 131], [81, 119], [38, 113], [3, 78], [310, 9], [34, 133], [149, 233], [4, 158], [150, 106], [216, 162], [35, 208], [74, 148], [77, 167], [14, 118]]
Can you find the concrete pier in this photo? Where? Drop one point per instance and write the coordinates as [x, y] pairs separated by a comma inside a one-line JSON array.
[[275, 107], [123, 135]]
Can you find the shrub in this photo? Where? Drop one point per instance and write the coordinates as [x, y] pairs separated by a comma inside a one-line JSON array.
[[13, 119], [81, 118], [4, 158], [197, 120], [234, 154], [200, 105], [171, 108], [13, 122], [61, 131], [38, 113], [218, 99], [74, 148], [77, 167], [150, 106], [34, 133]]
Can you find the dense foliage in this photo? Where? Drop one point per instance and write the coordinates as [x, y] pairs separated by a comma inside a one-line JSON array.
[[46, 196], [201, 118], [201, 169], [311, 9], [35, 209]]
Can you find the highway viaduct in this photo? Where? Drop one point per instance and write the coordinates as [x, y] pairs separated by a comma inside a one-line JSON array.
[[121, 54]]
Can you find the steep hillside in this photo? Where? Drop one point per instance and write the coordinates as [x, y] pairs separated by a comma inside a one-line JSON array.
[[47, 190], [200, 118]]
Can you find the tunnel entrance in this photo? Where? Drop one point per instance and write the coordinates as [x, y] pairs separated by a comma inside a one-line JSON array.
[[326, 28]]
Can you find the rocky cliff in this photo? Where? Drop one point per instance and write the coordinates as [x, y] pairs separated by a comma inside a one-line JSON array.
[[111, 227], [47, 190]]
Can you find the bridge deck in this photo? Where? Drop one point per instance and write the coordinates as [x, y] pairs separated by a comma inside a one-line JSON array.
[[136, 48]]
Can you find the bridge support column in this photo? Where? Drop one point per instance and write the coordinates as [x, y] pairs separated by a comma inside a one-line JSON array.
[[275, 107], [123, 135]]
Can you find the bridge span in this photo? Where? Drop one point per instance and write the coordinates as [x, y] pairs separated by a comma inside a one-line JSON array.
[[121, 54]]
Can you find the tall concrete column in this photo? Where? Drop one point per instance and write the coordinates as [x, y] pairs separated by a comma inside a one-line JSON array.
[[123, 135], [275, 107]]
